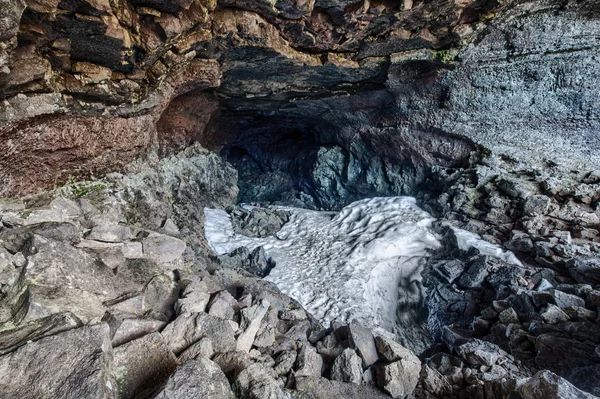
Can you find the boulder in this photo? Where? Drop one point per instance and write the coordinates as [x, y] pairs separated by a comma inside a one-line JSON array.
[[478, 352], [72, 364], [233, 363], [318, 387], [162, 248], [10, 338], [194, 298], [258, 382], [563, 300], [548, 385], [553, 314], [393, 351], [347, 367], [129, 329], [585, 271], [110, 233], [223, 305], [202, 348], [143, 365], [400, 378], [284, 362], [362, 340], [308, 362], [251, 321], [189, 328], [197, 379]]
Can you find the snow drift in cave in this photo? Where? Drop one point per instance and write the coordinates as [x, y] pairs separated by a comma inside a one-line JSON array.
[[364, 262]]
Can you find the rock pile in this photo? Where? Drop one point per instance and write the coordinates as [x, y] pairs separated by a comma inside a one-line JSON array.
[[98, 300]]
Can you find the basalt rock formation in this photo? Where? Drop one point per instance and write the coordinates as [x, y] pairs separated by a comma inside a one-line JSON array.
[[487, 111]]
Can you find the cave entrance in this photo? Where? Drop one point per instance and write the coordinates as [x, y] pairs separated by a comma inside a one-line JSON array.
[[321, 163]]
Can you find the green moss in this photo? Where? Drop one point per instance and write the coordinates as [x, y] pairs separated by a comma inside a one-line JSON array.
[[446, 56]]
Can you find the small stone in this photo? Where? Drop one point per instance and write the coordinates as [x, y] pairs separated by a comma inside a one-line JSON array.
[[347, 367], [19, 260]]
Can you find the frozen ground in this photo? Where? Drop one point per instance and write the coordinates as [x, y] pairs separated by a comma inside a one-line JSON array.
[[362, 263]]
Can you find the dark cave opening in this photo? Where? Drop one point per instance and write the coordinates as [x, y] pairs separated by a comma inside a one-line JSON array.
[[315, 163]]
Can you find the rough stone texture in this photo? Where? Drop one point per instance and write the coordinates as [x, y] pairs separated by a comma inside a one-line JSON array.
[[400, 378], [362, 339], [189, 328], [317, 387], [548, 385], [347, 367], [478, 352], [85, 359], [257, 382], [200, 378], [143, 365]]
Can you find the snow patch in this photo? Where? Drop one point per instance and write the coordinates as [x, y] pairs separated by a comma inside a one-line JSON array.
[[364, 262]]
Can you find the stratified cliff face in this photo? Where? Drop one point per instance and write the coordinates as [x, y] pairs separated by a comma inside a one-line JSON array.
[[89, 86]]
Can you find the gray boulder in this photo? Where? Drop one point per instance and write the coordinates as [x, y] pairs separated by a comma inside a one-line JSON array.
[[309, 362], [478, 352], [400, 378], [548, 385], [258, 382], [162, 248], [347, 367], [362, 339], [318, 387], [110, 233], [189, 328], [197, 379], [72, 364], [142, 365]]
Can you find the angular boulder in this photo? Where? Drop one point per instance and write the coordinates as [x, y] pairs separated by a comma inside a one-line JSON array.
[[73, 364], [197, 379]]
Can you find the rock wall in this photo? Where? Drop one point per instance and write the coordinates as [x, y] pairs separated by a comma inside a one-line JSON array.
[[87, 85]]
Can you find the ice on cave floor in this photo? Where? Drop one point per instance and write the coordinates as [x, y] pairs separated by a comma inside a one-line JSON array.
[[364, 262]]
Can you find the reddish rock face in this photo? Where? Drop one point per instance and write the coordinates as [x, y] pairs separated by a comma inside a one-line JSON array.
[[46, 151], [184, 120]]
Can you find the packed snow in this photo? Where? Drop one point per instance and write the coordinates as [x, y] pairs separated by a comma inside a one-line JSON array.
[[364, 262]]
